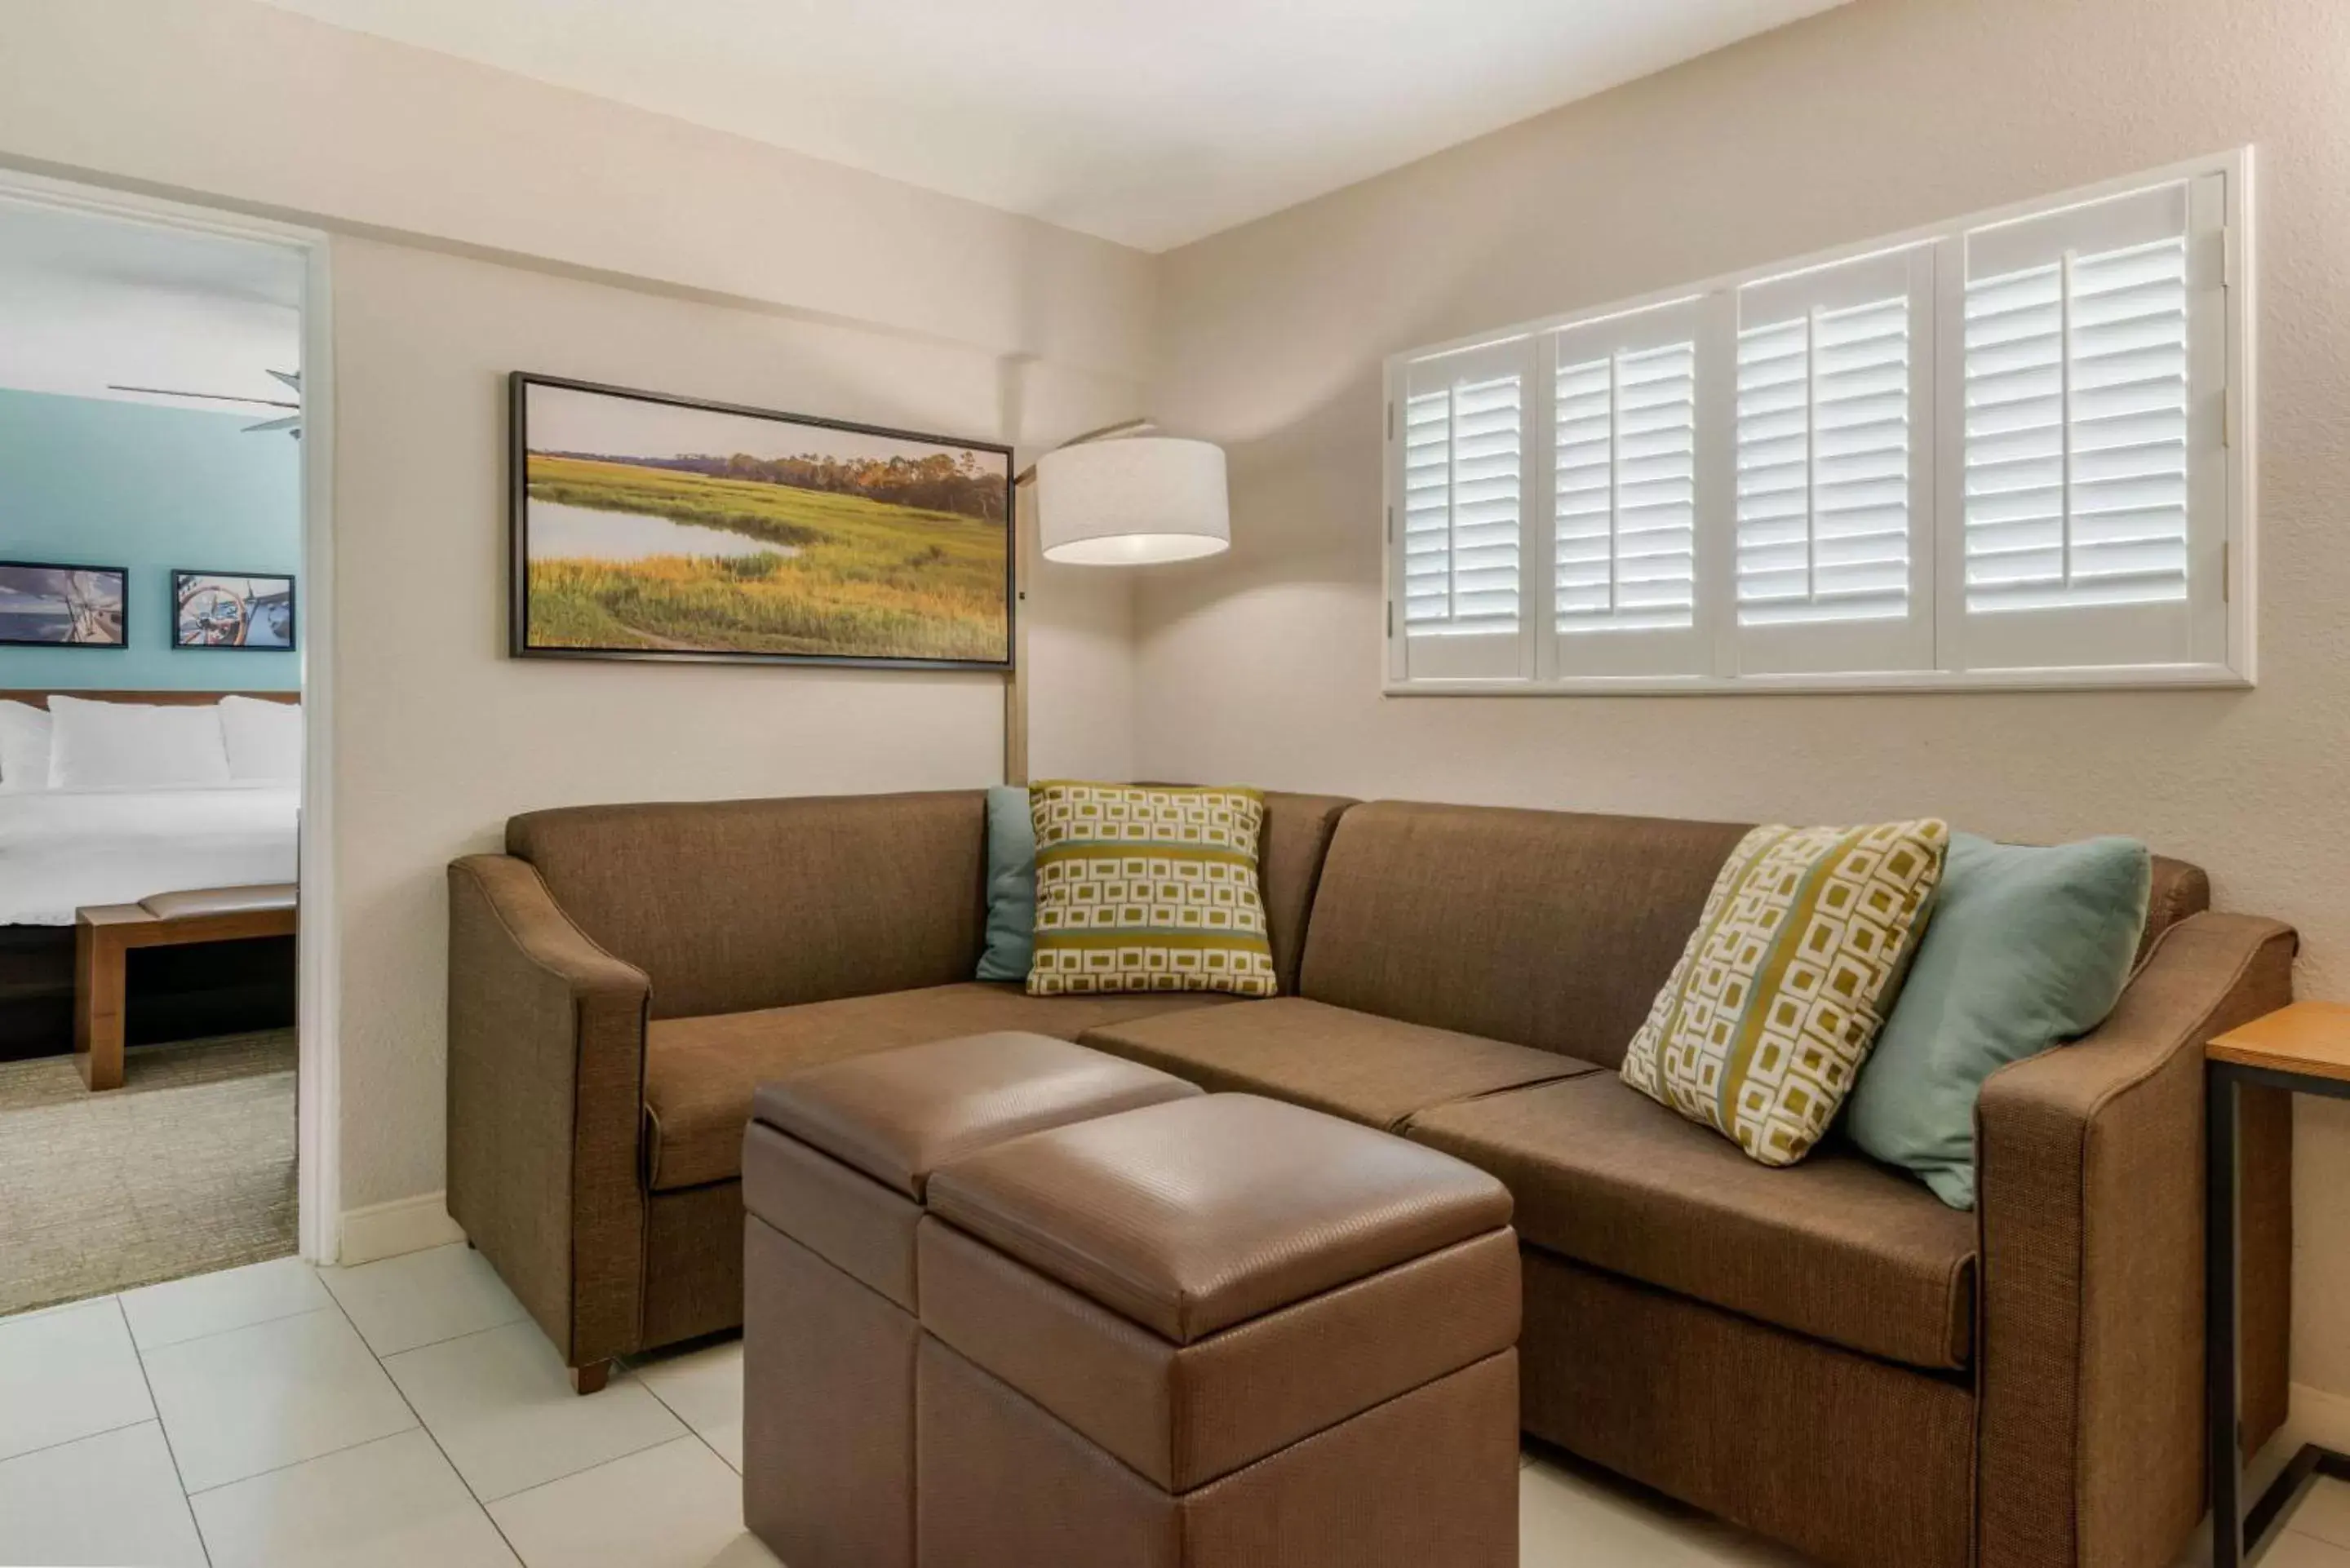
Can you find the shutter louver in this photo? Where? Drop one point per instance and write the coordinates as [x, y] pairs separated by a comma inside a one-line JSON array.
[[2076, 432], [1461, 513], [1823, 466], [1625, 504]]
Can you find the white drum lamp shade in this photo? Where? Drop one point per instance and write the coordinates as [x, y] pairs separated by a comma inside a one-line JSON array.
[[1132, 501]]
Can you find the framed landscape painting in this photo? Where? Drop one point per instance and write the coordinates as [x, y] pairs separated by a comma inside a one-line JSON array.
[[646, 527], [231, 609], [47, 604]]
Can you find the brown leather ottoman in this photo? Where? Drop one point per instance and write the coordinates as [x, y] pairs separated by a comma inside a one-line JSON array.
[[1216, 1333], [834, 1164]]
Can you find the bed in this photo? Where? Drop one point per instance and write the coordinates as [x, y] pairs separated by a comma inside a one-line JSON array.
[[63, 849]]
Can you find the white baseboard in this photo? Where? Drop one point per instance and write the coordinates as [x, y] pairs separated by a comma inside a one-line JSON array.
[[2320, 1417], [403, 1225]]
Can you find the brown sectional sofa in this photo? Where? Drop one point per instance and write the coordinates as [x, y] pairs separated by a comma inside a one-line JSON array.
[[1826, 1354]]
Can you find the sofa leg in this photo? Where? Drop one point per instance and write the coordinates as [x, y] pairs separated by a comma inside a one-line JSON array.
[[591, 1379]]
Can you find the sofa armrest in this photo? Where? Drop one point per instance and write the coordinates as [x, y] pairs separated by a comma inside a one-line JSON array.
[[2089, 1172], [546, 1060]]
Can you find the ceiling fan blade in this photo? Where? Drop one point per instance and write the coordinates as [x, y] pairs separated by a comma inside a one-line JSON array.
[[207, 397], [290, 378], [291, 422]]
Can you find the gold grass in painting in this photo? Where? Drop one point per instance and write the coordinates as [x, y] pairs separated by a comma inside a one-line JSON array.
[[852, 578]]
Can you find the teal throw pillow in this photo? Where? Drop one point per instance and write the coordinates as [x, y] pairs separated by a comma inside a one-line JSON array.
[[2026, 949], [1011, 886]]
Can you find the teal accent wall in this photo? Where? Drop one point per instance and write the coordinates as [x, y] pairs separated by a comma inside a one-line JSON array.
[[92, 481]]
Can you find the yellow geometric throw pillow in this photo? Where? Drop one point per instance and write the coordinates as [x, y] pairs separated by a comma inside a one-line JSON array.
[[1146, 889], [1787, 979]]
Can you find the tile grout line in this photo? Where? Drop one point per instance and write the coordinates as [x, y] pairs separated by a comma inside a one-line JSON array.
[[682, 1419], [427, 1345], [217, 1332], [628, 1374], [171, 1450], [156, 1421], [704, 1439], [429, 1434], [323, 1453], [600, 1464]]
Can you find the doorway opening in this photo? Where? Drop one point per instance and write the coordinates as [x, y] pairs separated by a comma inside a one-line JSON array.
[[166, 1063]]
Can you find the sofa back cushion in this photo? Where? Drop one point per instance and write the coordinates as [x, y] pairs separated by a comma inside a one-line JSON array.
[[733, 905], [1549, 928], [1290, 851], [1542, 928], [2180, 890]]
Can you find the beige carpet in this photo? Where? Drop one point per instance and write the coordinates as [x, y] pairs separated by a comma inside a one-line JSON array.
[[189, 1167]]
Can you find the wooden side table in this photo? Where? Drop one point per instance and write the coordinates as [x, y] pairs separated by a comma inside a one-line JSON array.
[[2305, 1048]]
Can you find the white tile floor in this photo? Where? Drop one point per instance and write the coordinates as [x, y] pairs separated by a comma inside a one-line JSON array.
[[407, 1412]]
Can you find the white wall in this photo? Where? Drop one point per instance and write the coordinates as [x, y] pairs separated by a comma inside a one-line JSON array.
[[1865, 121], [485, 224], [440, 737]]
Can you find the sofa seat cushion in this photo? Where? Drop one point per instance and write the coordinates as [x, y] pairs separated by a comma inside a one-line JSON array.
[[1839, 1246], [701, 1072], [1354, 1064]]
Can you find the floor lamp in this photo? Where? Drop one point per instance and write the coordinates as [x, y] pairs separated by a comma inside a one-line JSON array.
[[1118, 496]]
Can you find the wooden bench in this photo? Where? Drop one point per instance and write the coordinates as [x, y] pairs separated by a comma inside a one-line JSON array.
[[104, 935]]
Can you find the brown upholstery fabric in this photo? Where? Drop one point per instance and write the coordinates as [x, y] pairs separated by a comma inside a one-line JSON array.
[[734, 905], [701, 1072], [1855, 1461], [1428, 1478], [2179, 890], [1359, 1065], [1836, 1247], [1541, 928], [1189, 1216], [897, 1115], [1297, 829], [1184, 1415], [546, 1061], [2090, 1183], [827, 1412], [693, 1262]]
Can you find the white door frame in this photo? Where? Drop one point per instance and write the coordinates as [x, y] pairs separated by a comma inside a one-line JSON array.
[[318, 1076]]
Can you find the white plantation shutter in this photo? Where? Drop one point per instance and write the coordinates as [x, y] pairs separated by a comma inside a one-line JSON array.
[[1624, 544], [1833, 439], [1462, 485], [2091, 437], [2005, 451]]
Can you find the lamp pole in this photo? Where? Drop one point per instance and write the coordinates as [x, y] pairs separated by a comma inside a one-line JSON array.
[[1024, 560]]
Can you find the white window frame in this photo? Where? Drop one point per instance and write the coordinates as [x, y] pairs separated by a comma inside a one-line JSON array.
[[2230, 641]]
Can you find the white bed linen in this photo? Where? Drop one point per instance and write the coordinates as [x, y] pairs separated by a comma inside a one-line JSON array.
[[60, 850]]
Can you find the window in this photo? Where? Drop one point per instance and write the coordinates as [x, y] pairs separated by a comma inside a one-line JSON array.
[[2007, 451], [1624, 514], [1461, 447]]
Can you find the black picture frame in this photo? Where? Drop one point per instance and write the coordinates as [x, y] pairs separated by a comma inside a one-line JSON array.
[[518, 645], [182, 576], [121, 575]]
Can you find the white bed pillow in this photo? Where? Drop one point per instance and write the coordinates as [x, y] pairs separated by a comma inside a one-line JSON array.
[[264, 739], [129, 745], [24, 748]]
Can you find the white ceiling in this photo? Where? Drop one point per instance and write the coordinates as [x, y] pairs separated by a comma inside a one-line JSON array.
[[1152, 122], [90, 303]]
